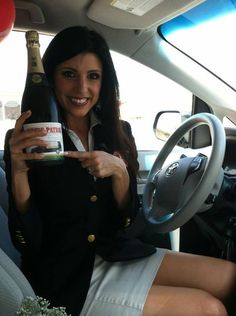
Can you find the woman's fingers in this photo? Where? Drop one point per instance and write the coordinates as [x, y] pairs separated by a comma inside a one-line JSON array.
[[23, 136], [99, 163], [86, 158], [21, 139], [20, 121], [29, 156], [81, 155], [30, 142]]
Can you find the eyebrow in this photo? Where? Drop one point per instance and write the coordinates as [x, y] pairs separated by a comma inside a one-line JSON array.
[[71, 68], [95, 70]]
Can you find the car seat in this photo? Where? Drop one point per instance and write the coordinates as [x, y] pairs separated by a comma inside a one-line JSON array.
[[5, 240], [14, 287]]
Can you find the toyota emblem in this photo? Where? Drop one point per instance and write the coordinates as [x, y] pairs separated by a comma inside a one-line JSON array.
[[172, 169]]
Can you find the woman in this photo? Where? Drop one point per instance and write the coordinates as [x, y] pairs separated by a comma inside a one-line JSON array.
[[72, 216]]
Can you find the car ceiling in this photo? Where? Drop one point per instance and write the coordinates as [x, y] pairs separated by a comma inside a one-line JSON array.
[[119, 27]]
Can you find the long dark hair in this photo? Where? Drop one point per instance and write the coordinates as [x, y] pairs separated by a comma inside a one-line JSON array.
[[79, 39]]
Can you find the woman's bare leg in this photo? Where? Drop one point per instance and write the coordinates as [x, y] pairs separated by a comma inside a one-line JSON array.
[[190, 281], [215, 276], [179, 301]]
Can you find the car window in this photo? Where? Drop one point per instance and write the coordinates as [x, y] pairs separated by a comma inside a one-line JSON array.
[[13, 65], [143, 92], [206, 33]]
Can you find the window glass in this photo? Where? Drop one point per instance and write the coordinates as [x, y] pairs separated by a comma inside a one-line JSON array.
[[228, 123], [143, 91], [13, 65], [206, 33]]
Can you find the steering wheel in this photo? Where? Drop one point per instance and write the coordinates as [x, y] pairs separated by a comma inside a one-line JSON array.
[[173, 194]]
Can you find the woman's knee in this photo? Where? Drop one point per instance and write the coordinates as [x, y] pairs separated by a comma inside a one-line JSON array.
[[211, 306], [178, 301], [229, 278]]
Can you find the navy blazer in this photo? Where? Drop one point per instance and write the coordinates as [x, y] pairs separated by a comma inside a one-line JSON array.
[[71, 218]]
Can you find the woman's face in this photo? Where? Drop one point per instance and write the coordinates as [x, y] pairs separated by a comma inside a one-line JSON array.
[[77, 85]]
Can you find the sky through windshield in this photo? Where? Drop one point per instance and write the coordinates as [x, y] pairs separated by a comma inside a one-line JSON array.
[[206, 33]]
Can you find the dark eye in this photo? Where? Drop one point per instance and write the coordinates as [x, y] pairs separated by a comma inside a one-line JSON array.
[[68, 74], [94, 75]]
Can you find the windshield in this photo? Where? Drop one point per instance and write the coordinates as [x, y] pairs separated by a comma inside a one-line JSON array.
[[206, 33]]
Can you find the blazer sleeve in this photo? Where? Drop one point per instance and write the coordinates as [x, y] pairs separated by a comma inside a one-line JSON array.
[[134, 204], [25, 229]]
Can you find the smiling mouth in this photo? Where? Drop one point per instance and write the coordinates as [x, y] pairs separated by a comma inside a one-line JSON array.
[[79, 101]]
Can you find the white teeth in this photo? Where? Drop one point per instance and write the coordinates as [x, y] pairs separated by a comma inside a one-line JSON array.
[[79, 101]]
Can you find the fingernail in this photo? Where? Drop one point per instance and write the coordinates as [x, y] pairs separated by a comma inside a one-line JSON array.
[[66, 153]]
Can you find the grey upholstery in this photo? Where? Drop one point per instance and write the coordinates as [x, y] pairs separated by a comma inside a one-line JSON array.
[[13, 284], [5, 239], [14, 287], [10, 267], [10, 294]]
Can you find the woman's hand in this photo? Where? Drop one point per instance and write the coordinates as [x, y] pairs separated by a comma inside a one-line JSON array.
[[101, 164], [20, 140]]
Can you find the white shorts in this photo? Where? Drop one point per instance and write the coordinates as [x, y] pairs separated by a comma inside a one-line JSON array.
[[121, 288]]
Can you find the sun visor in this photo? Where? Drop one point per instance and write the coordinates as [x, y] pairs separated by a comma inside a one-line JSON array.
[[137, 14]]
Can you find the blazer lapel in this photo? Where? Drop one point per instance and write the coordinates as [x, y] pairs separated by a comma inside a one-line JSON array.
[[101, 139]]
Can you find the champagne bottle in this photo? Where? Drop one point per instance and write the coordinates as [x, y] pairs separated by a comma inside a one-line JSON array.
[[39, 98]]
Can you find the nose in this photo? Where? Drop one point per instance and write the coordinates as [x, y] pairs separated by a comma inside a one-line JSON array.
[[82, 84]]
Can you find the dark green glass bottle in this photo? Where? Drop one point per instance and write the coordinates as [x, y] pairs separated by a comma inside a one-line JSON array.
[[39, 98]]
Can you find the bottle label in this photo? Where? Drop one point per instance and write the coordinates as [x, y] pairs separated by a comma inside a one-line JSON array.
[[36, 78], [54, 149]]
